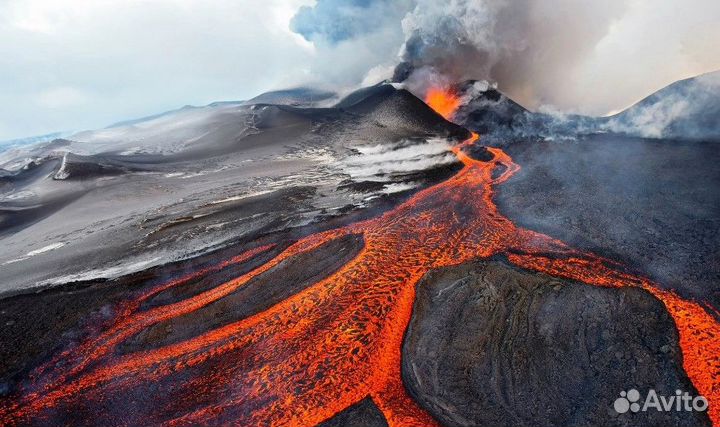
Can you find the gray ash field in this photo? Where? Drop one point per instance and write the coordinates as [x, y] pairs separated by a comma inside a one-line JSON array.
[[125, 198], [653, 204], [301, 259]]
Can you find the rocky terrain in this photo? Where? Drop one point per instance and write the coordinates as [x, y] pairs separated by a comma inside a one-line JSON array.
[[686, 110], [493, 345], [652, 204]]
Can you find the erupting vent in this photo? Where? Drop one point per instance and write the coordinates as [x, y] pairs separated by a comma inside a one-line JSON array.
[[444, 102]]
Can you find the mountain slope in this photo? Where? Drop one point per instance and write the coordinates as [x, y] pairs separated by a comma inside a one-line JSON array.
[[687, 109], [194, 179]]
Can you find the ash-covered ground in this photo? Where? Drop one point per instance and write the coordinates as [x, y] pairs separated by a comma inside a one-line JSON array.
[[105, 203], [92, 221], [652, 204]]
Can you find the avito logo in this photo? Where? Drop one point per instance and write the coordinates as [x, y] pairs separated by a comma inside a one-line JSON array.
[[680, 401]]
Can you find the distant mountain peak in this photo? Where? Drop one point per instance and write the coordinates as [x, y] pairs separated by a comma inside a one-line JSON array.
[[686, 109]]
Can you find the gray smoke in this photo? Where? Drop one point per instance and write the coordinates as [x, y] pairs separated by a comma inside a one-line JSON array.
[[528, 47], [688, 109], [577, 55]]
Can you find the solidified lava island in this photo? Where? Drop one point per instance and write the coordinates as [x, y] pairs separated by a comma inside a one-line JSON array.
[[364, 263]]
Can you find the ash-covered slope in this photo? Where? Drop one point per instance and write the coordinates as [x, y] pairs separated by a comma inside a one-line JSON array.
[[687, 109], [501, 120], [653, 204], [487, 109], [399, 109], [171, 186], [299, 97]]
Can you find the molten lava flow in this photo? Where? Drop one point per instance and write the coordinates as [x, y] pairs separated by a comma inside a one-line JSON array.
[[444, 102], [336, 342]]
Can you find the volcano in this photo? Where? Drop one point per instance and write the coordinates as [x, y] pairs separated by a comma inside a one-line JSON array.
[[380, 259]]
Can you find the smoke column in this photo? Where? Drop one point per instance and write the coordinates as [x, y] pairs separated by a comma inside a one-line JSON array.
[[576, 55]]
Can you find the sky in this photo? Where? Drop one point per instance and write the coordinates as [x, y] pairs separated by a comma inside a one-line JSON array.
[[68, 65]]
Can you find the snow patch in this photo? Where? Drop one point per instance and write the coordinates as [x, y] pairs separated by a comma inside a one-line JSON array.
[[46, 249]]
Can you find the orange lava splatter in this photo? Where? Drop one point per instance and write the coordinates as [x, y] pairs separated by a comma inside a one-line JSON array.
[[338, 341], [444, 102]]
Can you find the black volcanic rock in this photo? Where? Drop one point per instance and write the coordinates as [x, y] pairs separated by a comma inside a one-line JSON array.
[[398, 109], [76, 167], [260, 293], [478, 152], [500, 120], [362, 414], [489, 344], [366, 99], [487, 109]]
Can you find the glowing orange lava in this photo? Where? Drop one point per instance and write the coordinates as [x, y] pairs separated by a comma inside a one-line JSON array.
[[338, 341], [444, 102]]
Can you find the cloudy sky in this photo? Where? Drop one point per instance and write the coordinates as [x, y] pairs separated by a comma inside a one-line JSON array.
[[79, 64]]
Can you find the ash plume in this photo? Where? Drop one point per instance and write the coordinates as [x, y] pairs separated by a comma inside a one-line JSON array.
[[527, 47], [577, 56]]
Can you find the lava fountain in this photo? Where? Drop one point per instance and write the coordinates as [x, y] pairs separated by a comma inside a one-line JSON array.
[[336, 342], [443, 101]]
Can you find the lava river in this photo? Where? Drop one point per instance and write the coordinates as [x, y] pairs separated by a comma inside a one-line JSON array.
[[336, 342]]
